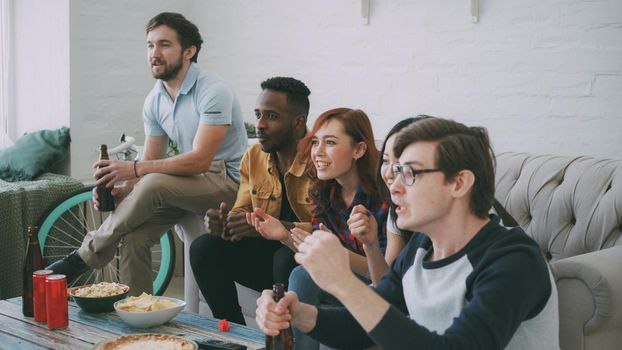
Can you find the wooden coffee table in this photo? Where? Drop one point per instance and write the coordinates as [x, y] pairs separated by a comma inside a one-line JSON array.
[[85, 330]]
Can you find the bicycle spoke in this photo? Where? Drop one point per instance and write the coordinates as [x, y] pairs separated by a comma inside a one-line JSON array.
[[101, 275], [58, 251], [82, 279], [75, 218], [67, 234], [87, 208], [92, 216], [56, 256], [114, 273], [60, 246], [78, 217]]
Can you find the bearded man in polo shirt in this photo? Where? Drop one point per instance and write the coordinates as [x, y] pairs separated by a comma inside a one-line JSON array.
[[202, 115]]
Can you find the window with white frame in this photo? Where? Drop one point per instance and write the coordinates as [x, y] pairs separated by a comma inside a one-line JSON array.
[[4, 72]]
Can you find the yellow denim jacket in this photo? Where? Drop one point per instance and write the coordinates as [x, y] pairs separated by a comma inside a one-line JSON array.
[[260, 186]]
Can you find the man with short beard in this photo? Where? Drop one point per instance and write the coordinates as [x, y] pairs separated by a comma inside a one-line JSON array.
[[202, 115], [274, 178]]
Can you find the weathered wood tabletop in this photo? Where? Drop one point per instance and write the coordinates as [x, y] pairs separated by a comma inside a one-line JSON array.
[[85, 329]]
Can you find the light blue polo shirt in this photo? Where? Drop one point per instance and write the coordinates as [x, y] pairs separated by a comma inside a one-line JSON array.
[[203, 99]]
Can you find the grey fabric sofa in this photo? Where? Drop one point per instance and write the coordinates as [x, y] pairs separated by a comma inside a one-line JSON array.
[[572, 206]]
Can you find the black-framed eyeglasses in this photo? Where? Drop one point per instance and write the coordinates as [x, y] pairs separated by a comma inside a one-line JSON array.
[[408, 174]]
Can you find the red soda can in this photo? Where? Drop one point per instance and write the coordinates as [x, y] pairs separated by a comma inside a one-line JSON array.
[[56, 303], [38, 294]]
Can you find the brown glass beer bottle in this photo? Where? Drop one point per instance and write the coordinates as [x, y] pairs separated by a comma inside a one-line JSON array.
[[285, 339], [106, 201], [32, 263]]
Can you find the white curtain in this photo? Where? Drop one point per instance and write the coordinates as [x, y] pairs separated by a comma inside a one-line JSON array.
[[4, 72]]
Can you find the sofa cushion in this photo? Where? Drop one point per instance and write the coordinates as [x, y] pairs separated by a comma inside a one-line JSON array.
[[34, 154], [568, 205]]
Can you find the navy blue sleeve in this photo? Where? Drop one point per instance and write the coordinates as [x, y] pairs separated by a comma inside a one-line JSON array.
[[337, 328], [511, 286]]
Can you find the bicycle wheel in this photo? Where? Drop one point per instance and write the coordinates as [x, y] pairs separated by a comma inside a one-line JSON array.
[[63, 228]]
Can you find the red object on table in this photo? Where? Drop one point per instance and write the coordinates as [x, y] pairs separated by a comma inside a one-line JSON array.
[[38, 294], [223, 325], [56, 304]]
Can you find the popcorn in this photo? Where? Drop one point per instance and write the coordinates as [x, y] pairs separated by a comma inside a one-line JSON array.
[[100, 290]]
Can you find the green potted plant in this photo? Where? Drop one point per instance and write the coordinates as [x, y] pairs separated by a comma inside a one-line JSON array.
[[251, 132]]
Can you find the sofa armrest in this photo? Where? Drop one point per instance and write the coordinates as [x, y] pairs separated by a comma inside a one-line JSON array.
[[590, 295]]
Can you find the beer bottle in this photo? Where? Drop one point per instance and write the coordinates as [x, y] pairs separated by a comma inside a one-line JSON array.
[[285, 339], [32, 263], [106, 201]]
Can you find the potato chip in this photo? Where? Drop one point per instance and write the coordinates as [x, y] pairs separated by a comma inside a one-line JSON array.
[[162, 304], [144, 303]]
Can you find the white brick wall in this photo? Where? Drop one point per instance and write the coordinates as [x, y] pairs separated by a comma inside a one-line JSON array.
[[109, 73], [543, 76]]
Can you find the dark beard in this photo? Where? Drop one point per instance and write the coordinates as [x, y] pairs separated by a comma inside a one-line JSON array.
[[286, 140], [170, 73]]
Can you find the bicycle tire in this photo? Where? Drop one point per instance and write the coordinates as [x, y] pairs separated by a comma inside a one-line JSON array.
[[73, 217]]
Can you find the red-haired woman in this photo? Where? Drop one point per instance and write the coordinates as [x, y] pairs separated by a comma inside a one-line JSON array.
[[346, 197]]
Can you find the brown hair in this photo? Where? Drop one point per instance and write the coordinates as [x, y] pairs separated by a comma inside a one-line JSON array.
[[356, 124], [187, 32], [459, 148]]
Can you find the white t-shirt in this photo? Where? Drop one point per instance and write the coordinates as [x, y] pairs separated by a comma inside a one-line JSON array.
[[392, 226]]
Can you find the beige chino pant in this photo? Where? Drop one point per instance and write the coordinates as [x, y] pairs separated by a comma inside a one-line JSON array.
[[157, 203]]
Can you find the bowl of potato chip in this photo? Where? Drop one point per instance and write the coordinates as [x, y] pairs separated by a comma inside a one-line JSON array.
[[146, 310], [98, 297]]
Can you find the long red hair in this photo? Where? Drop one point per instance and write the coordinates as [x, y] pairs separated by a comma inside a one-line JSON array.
[[356, 124]]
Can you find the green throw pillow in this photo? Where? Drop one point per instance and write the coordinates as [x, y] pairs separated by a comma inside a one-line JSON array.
[[34, 154]]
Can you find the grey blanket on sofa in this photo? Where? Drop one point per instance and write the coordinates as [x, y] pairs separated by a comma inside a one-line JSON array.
[[23, 204]]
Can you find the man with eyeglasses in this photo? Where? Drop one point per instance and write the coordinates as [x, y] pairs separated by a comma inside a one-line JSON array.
[[462, 282]]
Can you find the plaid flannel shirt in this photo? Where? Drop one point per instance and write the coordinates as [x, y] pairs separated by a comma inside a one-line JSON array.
[[337, 215]]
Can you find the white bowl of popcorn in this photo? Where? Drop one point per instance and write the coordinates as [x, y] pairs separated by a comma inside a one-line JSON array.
[[147, 311]]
